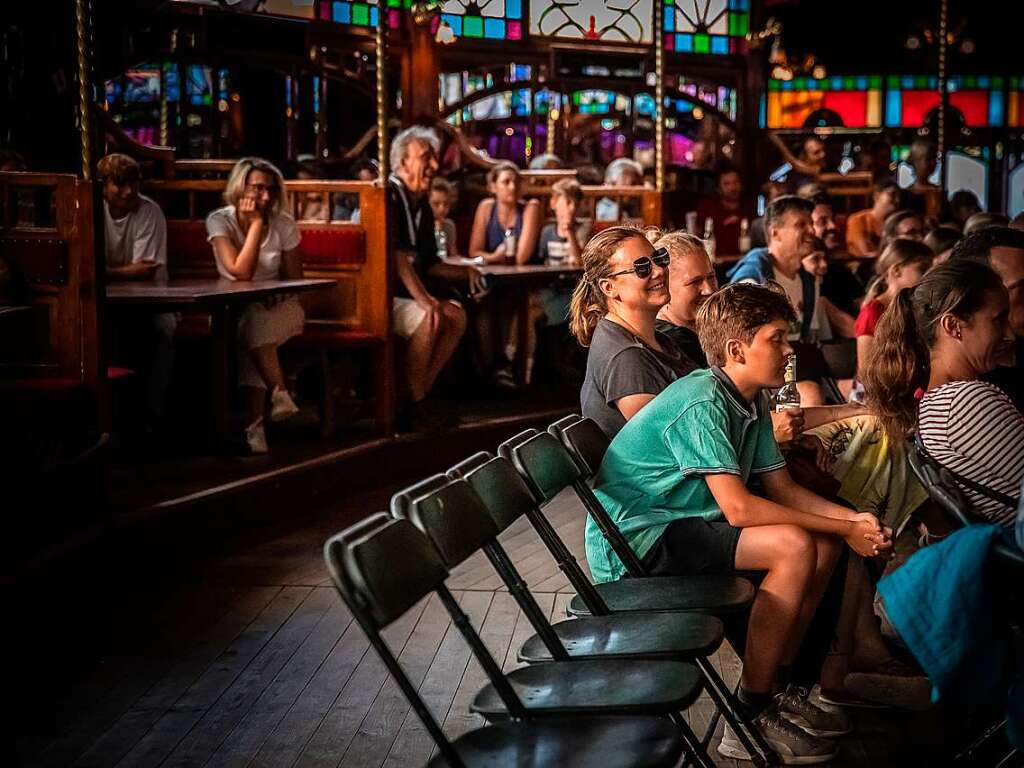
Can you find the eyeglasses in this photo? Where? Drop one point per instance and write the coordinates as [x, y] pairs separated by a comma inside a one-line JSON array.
[[259, 188], [643, 267]]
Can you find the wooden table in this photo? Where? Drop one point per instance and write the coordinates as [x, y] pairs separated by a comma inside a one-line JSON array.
[[521, 279], [221, 298]]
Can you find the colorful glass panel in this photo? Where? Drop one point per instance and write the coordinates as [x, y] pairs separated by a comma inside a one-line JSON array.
[[1015, 103], [616, 21], [716, 27], [856, 100], [362, 13], [484, 19], [980, 99]]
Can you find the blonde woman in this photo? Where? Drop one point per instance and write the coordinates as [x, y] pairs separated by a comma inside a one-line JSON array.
[[253, 239]]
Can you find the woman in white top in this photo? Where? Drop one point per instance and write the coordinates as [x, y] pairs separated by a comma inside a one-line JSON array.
[[931, 347], [253, 239]]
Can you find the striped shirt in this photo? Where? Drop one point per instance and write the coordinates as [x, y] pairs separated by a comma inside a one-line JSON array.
[[973, 429]]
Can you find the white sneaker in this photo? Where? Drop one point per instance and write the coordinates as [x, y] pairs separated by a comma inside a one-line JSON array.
[[795, 704], [793, 745], [281, 405], [256, 437]]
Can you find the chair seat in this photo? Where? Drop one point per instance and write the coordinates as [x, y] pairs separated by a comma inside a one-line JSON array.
[[707, 594], [669, 636], [597, 687], [610, 742]]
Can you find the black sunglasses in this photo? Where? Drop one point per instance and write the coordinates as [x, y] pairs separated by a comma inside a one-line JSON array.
[[643, 267]]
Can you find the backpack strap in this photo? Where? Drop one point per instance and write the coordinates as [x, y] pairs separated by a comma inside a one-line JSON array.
[[983, 490]]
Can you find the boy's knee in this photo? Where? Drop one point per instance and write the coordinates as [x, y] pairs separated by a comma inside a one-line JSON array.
[[796, 545]]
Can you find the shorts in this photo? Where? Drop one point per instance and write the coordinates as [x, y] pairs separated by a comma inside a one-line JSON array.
[[693, 546], [407, 316]]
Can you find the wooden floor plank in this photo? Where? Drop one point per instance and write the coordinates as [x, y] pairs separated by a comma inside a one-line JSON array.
[[189, 709], [194, 658], [274, 701]]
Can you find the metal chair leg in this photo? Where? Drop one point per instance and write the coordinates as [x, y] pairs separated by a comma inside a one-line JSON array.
[[725, 702], [694, 749]]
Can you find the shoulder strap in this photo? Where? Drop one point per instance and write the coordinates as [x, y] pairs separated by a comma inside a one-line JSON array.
[[979, 488]]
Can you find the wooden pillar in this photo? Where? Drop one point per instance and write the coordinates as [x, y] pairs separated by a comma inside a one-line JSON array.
[[381, 40], [421, 92], [659, 105]]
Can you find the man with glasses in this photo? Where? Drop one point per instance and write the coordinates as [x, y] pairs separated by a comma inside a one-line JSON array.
[[430, 327]]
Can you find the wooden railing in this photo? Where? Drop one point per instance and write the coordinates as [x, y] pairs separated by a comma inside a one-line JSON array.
[[46, 230]]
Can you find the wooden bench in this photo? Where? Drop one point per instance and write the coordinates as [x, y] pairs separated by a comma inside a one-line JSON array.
[[355, 315]]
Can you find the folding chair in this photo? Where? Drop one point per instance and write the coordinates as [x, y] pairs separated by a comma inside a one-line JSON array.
[[382, 567], [455, 520], [606, 631]]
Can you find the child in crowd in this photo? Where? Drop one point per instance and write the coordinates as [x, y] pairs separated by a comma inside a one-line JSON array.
[[901, 265], [931, 348], [442, 198], [675, 480], [562, 243], [253, 239]]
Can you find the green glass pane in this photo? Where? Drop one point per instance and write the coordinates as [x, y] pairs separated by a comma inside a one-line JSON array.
[[744, 25], [394, 3], [472, 26], [361, 14], [849, 83], [921, 81], [774, 85], [734, 24], [893, 81], [969, 81], [701, 44], [997, 83], [875, 82]]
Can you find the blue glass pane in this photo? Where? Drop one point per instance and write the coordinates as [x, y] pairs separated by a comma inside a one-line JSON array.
[[455, 22], [893, 109], [670, 19], [684, 43], [494, 28], [513, 9], [908, 83], [995, 109], [373, 16], [342, 13], [862, 83], [719, 45]]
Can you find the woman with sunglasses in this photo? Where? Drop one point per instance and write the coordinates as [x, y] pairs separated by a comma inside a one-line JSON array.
[[613, 312], [253, 239]]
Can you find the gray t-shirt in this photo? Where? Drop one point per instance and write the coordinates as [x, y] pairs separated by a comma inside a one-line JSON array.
[[552, 245], [619, 364]]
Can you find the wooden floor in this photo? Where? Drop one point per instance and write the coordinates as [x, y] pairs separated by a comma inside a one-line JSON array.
[[197, 652]]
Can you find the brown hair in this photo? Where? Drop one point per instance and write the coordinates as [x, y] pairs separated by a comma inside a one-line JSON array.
[[899, 252], [589, 304], [118, 168], [500, 168], [569, 189], [736, 312], [893, 221], [898, 363], [440, 184]]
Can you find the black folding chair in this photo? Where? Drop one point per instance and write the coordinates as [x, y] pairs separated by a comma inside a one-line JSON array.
[[455, 520], [382, 567], [605, 631]]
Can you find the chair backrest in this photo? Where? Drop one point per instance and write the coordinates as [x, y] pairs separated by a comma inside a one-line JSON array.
[[586, 442], [544, 464], [500, 488], [401, 501], [382, 567], [454, 519], [942, 489]]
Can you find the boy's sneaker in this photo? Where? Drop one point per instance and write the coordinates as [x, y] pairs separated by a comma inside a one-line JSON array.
[[256, 437], [793, 745], [795, 705], [281, 405]]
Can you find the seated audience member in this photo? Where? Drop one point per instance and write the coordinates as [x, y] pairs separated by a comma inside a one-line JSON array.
[[983, 220], [962, 205], [864, 228], [770, 190], [313, 206], [430, 327], [442, 196], [1002, 249], [253, 239], [830, 320], [546, 162], [925, 198], [727, 209], [939, 338], [135, 240], [346, 207], [841, 291], [823, 220], [614, 312], [504, 221], [691, 281], [622, 172], [563, 241], [941, 240], [901, 265], [905, 224], [808, 166], [675, 480], [790, 239]]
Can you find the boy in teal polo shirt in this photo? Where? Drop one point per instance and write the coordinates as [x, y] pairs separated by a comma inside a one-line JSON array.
[[675, 481]]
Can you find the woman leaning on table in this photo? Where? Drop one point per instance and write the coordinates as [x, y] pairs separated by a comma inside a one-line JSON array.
[[253, 239]]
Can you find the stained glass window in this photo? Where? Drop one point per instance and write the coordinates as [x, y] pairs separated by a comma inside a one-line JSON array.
[[856, 100], [979, 99], [716, 27], [720, 97], [484, 19], [617, 21], [1015, 103], [362, 13], [595, 102]]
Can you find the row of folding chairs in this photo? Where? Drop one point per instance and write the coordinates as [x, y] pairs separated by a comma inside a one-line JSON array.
[[608, 686]]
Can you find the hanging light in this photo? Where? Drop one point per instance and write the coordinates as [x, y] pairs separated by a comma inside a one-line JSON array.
[[445, 34], [424, 11]]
